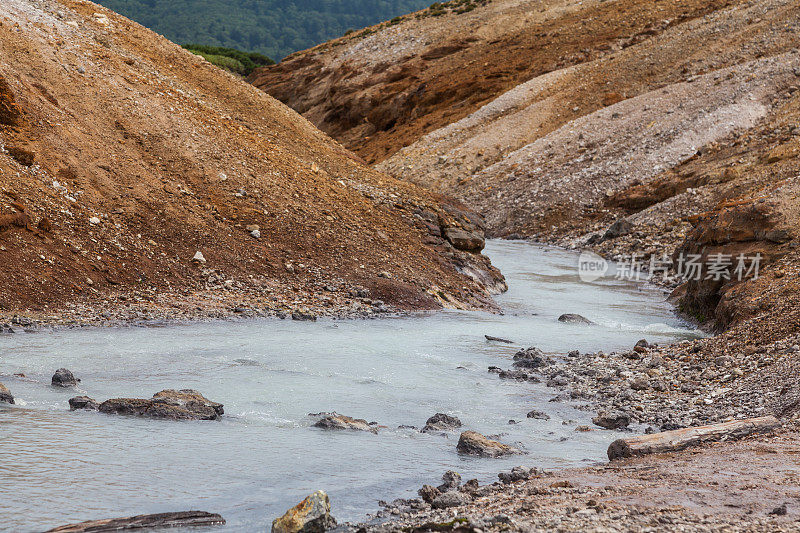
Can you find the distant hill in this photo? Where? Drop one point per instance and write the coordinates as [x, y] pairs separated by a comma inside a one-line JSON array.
[[272, 27]]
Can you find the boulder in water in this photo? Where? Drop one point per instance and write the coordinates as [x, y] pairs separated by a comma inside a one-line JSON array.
[[63, 378], [441, 422], [339, 422], [312, 515], [572, 318], [5, 395], [186, 404], [83, 403], [473, 443]]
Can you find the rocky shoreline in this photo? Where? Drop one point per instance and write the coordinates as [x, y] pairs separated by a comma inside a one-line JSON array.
[[648, 388]]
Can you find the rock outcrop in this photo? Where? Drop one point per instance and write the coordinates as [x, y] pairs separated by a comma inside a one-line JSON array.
[[473, 443], [312, 515]]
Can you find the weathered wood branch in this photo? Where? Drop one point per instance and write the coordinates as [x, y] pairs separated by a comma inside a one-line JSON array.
[[161, 520], [679, 439]]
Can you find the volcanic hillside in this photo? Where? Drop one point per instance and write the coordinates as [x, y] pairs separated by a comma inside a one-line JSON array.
[[123, 156], [557, 119]]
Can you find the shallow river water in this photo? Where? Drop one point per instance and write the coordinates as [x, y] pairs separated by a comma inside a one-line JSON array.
[[58, 467]]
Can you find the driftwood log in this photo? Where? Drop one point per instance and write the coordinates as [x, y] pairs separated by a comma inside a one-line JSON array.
[[147, 521], [679, 439], [498, 339]]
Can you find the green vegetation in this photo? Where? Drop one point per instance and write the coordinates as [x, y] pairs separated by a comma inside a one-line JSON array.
[[275, 28], [230, 59], [437, 9]]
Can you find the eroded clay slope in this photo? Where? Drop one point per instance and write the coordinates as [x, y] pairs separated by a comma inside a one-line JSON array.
[[123, 156]]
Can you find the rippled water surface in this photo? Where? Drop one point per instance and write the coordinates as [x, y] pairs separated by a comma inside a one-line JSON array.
[[59, 467]]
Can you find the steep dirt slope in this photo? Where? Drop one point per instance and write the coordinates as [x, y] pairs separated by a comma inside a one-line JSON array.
[[383, 88], [129, 155]]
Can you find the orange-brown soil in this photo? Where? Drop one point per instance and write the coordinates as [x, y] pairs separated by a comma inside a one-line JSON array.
[[129, 155]]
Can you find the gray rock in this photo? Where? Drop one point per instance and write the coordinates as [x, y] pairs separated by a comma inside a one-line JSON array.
[[572, 318], [63, 378], [518, 473], [441, 422], [450, 499], [619, 228], [83, 403], [531, 358], [640, 382], [5, 395], [538, 415], [613, 420], [428, 493], [465, 240], [518, 375], [450, 481]]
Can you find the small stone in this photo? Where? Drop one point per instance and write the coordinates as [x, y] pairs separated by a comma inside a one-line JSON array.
[[304, 315], [640, 382], [538, 415], [779, 511], [255, 234], [199, 257], [518, 473], [94, 221]]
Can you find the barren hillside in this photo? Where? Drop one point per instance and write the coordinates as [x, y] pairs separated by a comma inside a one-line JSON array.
[[129, 156], [679, 116], [382, 88]]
